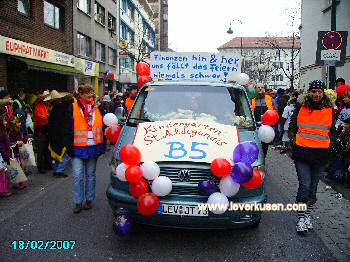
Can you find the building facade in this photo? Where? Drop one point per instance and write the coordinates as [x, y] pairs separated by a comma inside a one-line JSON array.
[[273, 61], [137, 37], [316, 16], [95, 40], [160, 9], [36, 45]]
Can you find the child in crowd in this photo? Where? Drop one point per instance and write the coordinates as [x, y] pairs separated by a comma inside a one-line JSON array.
[[17, 140], [5, 152], [338, 170], [286, 116], [345, 112]]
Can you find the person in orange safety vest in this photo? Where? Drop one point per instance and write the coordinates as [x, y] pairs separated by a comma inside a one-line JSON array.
[[85, 143], [260, 105], [310, 130], [129, 102]]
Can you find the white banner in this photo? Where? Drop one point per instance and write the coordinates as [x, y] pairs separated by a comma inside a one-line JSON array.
[[18, 48], [194, 66], [185, 140]]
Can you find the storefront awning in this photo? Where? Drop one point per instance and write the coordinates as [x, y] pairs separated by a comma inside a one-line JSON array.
[[49, 67]]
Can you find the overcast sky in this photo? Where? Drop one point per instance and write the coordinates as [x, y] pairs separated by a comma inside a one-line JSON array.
[[201, 25]]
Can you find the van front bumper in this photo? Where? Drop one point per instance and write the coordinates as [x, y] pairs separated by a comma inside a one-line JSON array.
[[122, 201]]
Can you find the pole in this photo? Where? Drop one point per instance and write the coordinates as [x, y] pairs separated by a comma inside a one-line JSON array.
[[332, 69], [241, 45]]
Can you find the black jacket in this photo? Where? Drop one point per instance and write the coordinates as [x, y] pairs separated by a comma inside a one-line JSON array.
[[68, 128], [309, 155]]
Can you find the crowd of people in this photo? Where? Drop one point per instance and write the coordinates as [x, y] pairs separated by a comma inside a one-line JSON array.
[[315, 129], [52, 122]]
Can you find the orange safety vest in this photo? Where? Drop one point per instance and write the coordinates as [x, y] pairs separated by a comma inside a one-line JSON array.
[[129, 103], [314, 127], [269, 103], [81, 128]]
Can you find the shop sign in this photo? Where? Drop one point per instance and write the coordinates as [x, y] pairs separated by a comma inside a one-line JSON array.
[[18, 48], [87, 67]]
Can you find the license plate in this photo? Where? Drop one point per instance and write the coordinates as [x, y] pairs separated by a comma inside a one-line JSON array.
[[181, 210]]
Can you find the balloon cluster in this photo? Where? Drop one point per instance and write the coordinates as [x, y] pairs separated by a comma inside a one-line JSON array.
[[140, 177], [232, 177], [144, 72], [266, 133], [113, 130]]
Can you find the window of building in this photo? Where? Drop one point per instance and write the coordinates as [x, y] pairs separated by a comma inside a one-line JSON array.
[[124, 4], [112, 56], [277, 77], [100, 13], [100, 52], [24, 7], [53, 15], [278, 65], [123, 31], [131, 11], [84, 45], [112, 24], [84, 5], [126, 63]]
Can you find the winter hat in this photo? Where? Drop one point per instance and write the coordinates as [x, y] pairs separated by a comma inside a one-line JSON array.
[[317, 84], [107, 98]]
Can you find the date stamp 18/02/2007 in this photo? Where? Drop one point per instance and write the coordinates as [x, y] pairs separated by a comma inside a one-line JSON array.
[[43, 244]]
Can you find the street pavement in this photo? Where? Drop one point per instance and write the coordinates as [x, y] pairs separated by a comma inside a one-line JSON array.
[[43, 211]]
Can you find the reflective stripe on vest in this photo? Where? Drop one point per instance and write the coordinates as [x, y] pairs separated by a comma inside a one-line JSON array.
[[81, 128], [314, 127], [269, 103]]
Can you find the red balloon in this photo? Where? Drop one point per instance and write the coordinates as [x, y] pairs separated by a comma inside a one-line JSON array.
[[143, 69], [270, 118], [133, 174], [256, 180], [148, 204], [138, 189], [221, 167], [113, 133], [143, 80], [130, 155]]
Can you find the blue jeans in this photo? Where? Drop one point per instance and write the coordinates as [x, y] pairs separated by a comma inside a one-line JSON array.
[[84, 168], [60, 167], [308, 176]]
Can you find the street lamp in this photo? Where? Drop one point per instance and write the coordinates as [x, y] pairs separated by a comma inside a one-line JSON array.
[[230, 32]]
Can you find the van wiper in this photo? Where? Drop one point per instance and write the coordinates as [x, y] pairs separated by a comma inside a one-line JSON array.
[[140, 119]]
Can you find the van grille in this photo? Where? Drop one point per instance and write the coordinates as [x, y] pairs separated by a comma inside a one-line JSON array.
[[190, 187]]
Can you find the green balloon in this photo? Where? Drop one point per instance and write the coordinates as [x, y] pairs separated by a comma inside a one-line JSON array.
[[252, 92]]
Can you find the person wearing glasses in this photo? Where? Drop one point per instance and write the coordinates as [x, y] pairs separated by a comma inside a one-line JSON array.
[[310, 131]]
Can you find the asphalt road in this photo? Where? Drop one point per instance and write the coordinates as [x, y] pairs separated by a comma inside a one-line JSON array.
[[49, 216]]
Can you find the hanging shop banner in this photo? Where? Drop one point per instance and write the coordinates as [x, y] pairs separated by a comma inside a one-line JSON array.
[[194, 66], [331, 48], [87, 67], [18, 48], [185, 140]]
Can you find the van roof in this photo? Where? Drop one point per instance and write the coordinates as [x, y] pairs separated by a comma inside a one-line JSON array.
[[193, 83]]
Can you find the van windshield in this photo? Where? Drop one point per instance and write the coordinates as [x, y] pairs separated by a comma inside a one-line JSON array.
[[222, 105]]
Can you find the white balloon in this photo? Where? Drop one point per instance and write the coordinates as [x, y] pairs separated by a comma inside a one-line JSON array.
[[266, 134], [150, 170], [120, 171], [110, 119], [228, 187], [243, 78], [218, 202], [234, 77], [162, 186]]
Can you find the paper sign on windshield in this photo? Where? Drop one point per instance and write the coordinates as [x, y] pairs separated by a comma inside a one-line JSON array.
[[185, 140], [194, 66]]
